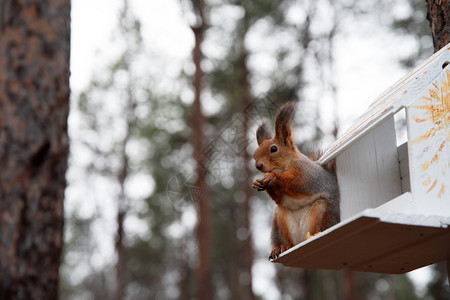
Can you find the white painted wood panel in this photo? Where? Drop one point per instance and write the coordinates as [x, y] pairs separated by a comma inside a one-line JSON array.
[[428, 120], [368, 172]]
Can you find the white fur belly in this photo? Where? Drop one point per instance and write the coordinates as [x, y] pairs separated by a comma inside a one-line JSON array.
[[294, 213], [297, 223]]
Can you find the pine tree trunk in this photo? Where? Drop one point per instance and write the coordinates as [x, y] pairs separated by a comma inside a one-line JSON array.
[[349, 285], [34, 103], [204, 215], [120, 251], [248, 252], [439, 17], [123, 200]]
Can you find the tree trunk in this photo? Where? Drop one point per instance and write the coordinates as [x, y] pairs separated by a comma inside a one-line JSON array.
[[439, 17], [349, 285], [34, 103], [248, 252], [123, 201], [120, 251], [204, 215]]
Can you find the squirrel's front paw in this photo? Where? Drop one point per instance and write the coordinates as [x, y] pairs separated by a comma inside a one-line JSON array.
[[262, 183], [258, 184]]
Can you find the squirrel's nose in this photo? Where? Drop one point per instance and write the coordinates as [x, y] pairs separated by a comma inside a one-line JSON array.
[[259, 166]]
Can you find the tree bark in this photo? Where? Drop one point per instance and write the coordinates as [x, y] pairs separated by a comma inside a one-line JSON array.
[[34, 103], [439, 17], [204, 211], [123, 201], [119, 292], [248, 253], [349, 285]]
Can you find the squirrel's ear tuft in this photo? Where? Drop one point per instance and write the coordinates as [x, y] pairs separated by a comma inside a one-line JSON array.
[[283, 124], [263, 133]]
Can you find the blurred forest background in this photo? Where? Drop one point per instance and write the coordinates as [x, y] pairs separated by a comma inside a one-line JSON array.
[[159, 204]]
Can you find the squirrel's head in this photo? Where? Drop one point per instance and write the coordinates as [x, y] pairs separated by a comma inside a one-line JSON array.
[[274, 154]]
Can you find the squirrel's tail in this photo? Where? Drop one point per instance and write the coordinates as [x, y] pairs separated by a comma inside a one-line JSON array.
[[329, 165]]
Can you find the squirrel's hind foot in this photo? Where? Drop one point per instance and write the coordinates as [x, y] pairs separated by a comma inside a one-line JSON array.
[[309, 235], [277, 251]]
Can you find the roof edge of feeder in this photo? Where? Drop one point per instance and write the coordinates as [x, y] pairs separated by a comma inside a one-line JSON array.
[[389, 102]]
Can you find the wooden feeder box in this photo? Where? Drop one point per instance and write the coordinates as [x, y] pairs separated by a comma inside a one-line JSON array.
[[395, 199]]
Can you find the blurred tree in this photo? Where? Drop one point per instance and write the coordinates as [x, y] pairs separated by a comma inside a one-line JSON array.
[[108, 110], [34, 103], [79, 244], [231, 80], [130, 30], [412, 23], [247, 239], [162, 262], [204, 283], [438, 287], [124, 139]]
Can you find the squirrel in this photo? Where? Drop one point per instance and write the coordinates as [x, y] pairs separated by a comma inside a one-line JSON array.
[[305, 192]]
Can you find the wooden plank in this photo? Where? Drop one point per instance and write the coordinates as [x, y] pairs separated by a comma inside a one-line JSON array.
[[368, 173], [365, 243]]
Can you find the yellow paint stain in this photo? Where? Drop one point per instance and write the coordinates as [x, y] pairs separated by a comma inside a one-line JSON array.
[[423, 107], [436, 156], [427, 181], [441, 191], [417, 119], [432, 186], [425, 166], [424, 137]]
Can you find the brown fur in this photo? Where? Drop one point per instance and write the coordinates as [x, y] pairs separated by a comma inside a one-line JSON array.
[[306, 193], [330, 165], [315, 216]]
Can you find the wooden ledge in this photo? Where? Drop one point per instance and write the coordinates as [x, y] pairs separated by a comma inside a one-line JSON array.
[[375, 241]]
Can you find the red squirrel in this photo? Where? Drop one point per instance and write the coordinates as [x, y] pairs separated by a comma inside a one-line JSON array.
[[305, 192]]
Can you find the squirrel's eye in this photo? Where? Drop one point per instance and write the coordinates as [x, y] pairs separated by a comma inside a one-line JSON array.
[[273, 149]]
